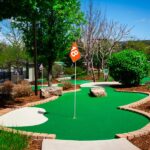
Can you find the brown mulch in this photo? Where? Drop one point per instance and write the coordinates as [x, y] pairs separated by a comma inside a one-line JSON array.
[[72, 88], [142, 142], [20, 101], [145, 107], [140, 88], [34, 144]]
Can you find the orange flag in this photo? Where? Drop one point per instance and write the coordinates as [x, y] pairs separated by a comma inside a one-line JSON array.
[[74, 53]]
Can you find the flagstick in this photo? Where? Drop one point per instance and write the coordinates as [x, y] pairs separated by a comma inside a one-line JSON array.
[[42, 78], [74, 115]]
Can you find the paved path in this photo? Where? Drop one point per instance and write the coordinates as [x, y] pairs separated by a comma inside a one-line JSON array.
[[27, 116], [96, 84], [114, 144]]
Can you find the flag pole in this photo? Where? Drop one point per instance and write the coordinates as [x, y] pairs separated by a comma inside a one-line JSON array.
[[74, 115], [42, 78]]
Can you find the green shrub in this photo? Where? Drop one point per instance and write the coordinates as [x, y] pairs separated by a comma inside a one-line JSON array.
[[69, 71], [57, 70], [128, 67], [12, 141]]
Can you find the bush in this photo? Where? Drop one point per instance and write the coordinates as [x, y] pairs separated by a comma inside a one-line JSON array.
[[22, 89], [57, 70], [71, 71], [128, 67], [24, 82], [66, 85], [7, 87], [6, 90]]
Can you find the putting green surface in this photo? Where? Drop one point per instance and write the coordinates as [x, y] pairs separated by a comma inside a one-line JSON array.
[[97, 118], [38, 87]]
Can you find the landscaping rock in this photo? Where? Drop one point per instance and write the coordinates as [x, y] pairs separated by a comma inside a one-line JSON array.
[[55, 91], [44, 93], [47, 92], [98, 91]]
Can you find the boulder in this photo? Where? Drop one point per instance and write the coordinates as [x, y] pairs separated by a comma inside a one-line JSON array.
[[98, 91], [55, 91], [44, 93], [47, 92]]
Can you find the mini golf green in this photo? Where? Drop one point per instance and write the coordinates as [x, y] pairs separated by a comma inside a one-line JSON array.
[[39, 87], [97, 118]]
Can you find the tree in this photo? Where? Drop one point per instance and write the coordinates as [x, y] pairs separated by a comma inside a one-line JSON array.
[[26, 9], [100, 38], [15, 8], [128, 67], [11, 34], [13, 54], [56, 29], [138, 45]]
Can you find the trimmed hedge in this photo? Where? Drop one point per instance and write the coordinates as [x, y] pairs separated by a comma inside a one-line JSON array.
[[128, 67]]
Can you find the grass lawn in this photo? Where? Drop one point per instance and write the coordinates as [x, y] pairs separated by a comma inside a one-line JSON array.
[[97, 118], [12, 141]]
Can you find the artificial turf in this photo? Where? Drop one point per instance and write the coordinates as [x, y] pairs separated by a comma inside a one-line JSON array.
[[97, 118], [38, 87]]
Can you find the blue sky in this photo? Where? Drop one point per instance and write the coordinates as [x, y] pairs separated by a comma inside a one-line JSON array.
[[134, 13]]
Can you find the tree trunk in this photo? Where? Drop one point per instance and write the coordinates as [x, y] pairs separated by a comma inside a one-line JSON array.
[[98, 67], [87, 67], [50, 64], [9, 72], [93, 74], [27, 70], [102, 63], [35, 55]]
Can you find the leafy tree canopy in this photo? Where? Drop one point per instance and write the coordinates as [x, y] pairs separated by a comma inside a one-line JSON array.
[[143, 46]]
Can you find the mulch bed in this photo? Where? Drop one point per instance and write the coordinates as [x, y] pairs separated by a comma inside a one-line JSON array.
[[142, 142], [20, 101], [141, 88], [34, 144]]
